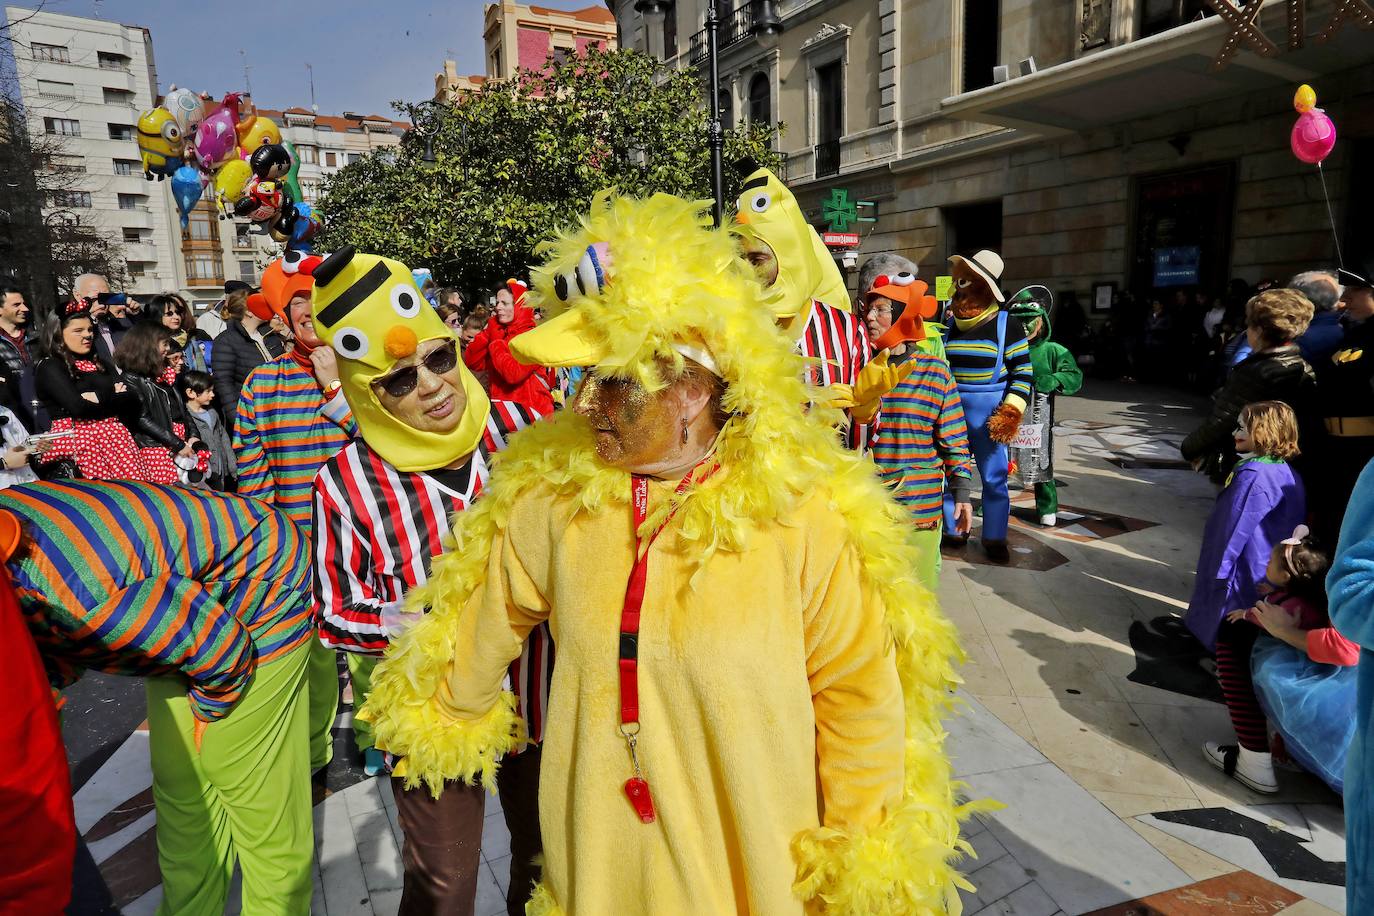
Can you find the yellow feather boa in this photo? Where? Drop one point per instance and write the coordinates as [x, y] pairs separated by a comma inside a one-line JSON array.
[[772, 455]]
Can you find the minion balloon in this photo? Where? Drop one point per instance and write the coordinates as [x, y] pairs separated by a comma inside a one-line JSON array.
[[370, 311], [806, 271], [160, 143]]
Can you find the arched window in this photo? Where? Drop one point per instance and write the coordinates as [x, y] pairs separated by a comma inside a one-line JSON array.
[[760, 100], [725, 104]]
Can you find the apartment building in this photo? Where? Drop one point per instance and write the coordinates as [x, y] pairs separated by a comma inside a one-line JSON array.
[[518, 37], [84, 82], [1099, 144]]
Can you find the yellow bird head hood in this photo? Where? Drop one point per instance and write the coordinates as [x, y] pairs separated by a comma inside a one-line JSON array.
[[370, 311], [767, 211]]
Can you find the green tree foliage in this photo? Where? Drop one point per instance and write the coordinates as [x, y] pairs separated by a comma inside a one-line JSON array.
[[518, 159]]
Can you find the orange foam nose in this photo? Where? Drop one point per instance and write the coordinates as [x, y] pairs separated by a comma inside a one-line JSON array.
[[742, 218], [401, 342]]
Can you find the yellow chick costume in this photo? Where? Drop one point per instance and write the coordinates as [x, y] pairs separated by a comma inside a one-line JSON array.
[[792, 672]]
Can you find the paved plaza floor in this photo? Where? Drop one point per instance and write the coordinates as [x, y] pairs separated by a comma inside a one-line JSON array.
[[1083, 711]]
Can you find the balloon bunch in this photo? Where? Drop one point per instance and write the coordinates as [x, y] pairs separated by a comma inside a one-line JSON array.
[[239, 155]]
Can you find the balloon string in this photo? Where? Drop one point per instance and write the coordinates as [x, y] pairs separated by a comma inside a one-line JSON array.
[[1331, 217]]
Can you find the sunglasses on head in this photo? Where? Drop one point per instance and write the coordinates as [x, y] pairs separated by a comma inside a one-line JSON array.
[[402, 382]]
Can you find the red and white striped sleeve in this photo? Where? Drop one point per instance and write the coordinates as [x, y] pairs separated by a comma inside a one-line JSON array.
[[347, 608]]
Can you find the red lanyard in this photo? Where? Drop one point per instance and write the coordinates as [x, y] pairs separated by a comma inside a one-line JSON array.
[[637, 787]]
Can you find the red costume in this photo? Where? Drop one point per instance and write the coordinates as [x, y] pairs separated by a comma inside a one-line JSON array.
[[508, 379]]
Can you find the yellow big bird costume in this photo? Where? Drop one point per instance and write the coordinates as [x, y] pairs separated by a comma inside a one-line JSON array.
[[793, 674]]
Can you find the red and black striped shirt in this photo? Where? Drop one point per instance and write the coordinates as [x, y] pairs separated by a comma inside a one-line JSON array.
[[836, 339], [377, 530]]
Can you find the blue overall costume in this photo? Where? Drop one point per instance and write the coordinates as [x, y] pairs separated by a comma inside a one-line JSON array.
[[982, 388]]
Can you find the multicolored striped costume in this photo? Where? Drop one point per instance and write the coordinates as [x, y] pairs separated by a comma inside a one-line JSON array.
[[148, 580], [284, 431], [836, 341], [924, 441]]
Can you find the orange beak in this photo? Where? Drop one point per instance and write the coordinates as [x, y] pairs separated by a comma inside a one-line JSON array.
[[401, 342]]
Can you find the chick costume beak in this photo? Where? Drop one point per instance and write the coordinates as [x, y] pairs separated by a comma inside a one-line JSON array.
[[370, 311], [568, 339], [768, 212]]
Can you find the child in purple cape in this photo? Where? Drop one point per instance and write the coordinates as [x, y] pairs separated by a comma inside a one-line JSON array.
[[1262, 503]]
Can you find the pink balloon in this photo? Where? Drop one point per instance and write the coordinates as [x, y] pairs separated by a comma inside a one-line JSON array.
[[216, 140], [1313, 136]]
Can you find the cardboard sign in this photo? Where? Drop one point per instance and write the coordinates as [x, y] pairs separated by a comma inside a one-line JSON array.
[[1028, 436], [944, 288]]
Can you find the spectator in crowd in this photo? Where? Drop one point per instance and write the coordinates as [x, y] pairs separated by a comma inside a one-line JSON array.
[[1345, 402], [18, 353], [19, 454], [1276, 371], [507, 378], [1323, 337], [472, 326], [208, 597], [291, 418], [160, 431], [214, 321], [1263, 501], [198, 390], [1282, 656], [1070, 324], [109, 312], [1159, 341], [451, 314], [172, 312], [448, 297], [86, 399], [1304, 671], [245, 344]]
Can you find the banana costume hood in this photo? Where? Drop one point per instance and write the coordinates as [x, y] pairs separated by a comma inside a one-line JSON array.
[[638, 284], [768, 212], [370, 311]]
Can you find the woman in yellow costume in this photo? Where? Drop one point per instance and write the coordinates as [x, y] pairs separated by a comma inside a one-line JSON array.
[[745, 714]]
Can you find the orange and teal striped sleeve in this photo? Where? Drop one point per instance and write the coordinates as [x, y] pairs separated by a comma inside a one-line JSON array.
[[923, 444], [283, 436], [149, 580]]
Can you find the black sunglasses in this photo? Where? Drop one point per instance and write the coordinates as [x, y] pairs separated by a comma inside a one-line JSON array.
[[402, 382]]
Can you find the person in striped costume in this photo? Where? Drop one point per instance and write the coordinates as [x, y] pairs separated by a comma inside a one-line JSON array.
[[207, 597], [383, 510], [805, 289], [990, 359], [922, 448], [291, 418]]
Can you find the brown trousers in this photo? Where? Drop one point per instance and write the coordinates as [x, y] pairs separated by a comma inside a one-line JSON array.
[[442, 849], [518, 785]]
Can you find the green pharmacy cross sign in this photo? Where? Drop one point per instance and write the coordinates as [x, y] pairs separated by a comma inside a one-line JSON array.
[[839, 211]]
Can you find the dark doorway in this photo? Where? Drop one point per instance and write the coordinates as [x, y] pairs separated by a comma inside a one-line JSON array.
[[981, 32], [1357, 243], [1183, 230], [973, 227]]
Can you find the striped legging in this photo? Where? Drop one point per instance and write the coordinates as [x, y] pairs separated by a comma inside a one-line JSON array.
[[1234, 642]]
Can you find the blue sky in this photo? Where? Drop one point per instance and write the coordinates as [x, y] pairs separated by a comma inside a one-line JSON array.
[[365, 53]]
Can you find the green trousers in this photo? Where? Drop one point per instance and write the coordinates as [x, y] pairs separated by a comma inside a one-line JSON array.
[[244, 796], [927, 541], [360, 673], [324, 702], [1046, 498]]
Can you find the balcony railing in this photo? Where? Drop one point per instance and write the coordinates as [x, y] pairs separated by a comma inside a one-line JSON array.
[[827, 158], [734, 27]]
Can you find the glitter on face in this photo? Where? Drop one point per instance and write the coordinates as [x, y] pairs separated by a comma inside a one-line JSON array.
[[634, 429]]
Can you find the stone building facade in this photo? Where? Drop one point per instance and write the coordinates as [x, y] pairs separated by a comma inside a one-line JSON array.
[[1111, 153]]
